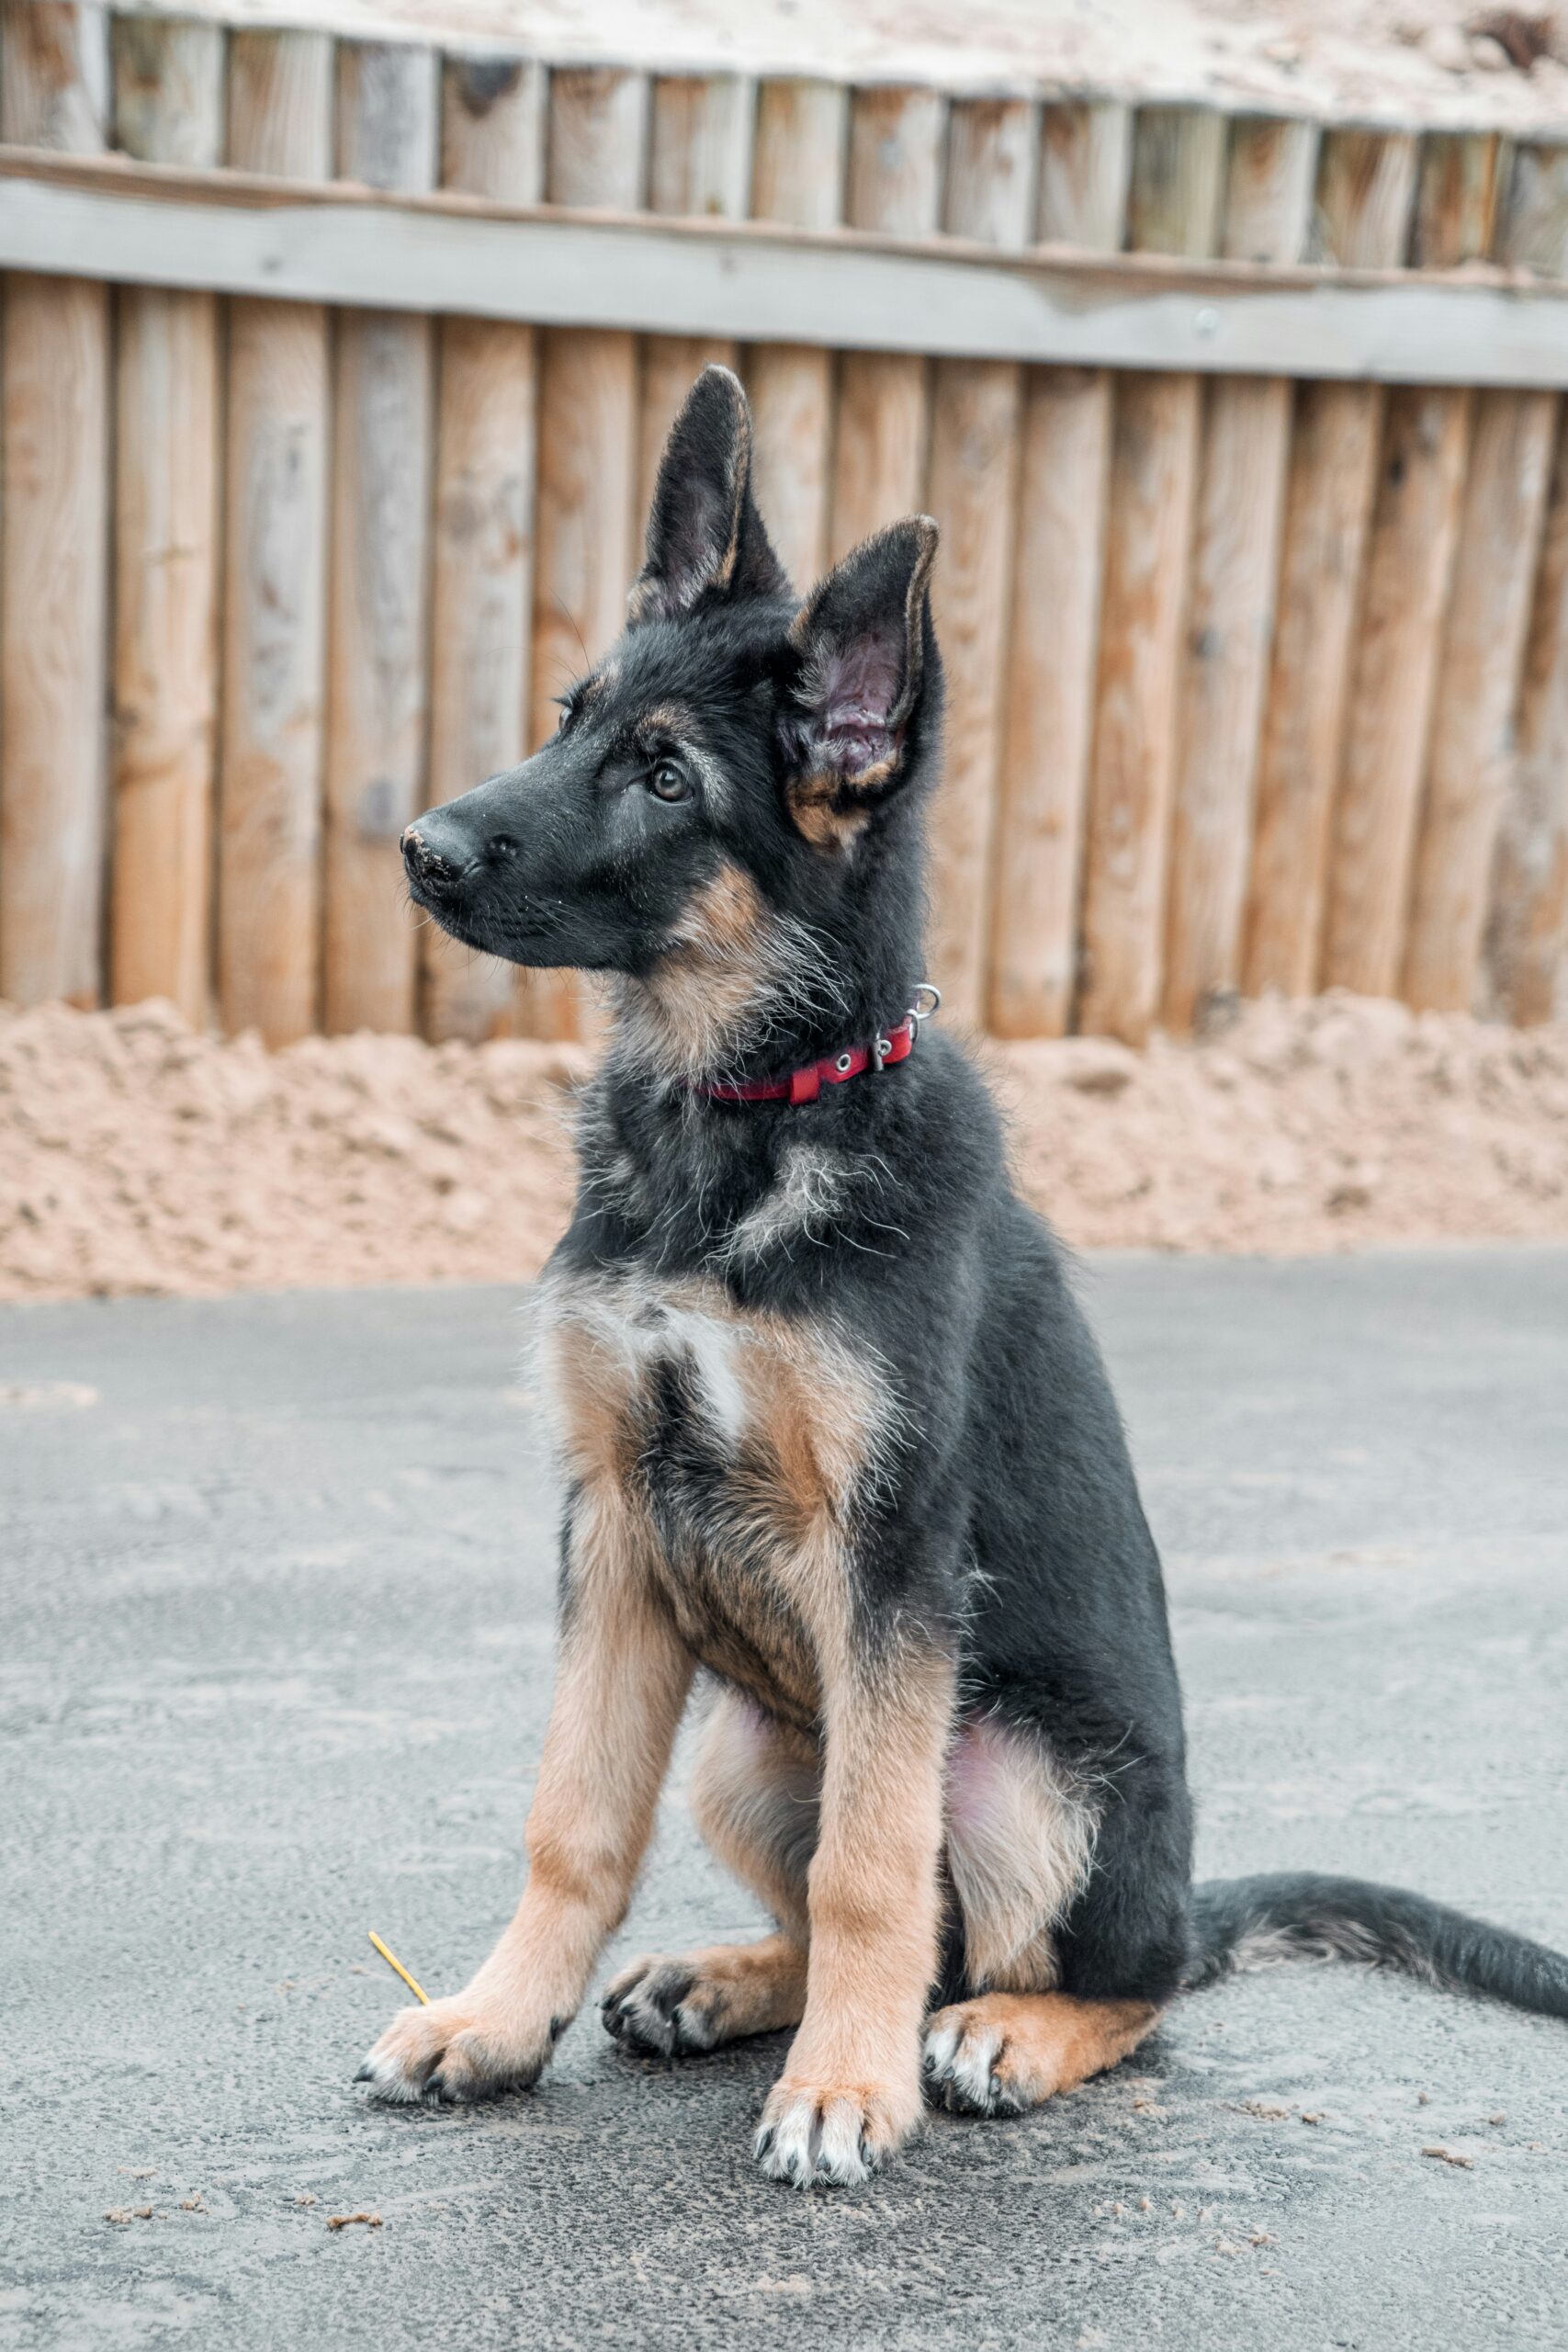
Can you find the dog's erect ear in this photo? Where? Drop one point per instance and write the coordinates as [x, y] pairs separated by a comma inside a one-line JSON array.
[[704, 534], [862, 640]]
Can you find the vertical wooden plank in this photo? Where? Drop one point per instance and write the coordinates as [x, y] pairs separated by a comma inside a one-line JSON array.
[[1224, 662], [1086, 157], [54, 68], [378, 633], [54, 397], [1415, 534], [1086, 148], [1478, 678], [588, 435], [1527, 933], [1533, 229], [699, 166], [798, 175], [168, 109], [1365, 188], [699, 162], [482, 589], [280, 104], [1177, 188], [280, 119], [168, 90], [1399, 630], [894, 186], [493, 127], [1173, 206], [1270, 176], [1456, 208], [1456, 198], [992, 160], [1527, 942]]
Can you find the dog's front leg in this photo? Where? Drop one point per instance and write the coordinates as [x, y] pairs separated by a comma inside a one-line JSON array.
[[851, 2090], [620, 1688]]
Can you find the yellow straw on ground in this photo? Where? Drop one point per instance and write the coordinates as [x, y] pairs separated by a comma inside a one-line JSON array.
[[417, 1990]]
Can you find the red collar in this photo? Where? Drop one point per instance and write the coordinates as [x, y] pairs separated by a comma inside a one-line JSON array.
[[804, 1085]]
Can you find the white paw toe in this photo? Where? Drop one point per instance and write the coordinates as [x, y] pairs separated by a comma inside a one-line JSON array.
[[814, 2143], [961, 2071]]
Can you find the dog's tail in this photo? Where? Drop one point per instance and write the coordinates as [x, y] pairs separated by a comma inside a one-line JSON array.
[[1241, 1922]]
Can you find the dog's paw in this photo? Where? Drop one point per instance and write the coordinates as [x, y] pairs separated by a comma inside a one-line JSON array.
[[817, 2135], [971, 2069], [663, 2007], [456, 2051]]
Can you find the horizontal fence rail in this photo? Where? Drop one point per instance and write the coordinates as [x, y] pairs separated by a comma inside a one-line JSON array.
[[333, 380], [755, 282]]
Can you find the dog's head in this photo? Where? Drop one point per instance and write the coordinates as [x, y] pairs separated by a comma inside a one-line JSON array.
[[726, 785]]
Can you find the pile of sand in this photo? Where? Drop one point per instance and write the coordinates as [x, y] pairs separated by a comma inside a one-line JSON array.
[[136, 1156], [1310, 1126]]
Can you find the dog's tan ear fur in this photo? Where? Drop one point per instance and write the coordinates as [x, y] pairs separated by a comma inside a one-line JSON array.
[[705, 537], [863, 638]]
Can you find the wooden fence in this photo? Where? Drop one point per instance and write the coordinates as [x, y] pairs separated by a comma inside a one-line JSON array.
[[312, 499]]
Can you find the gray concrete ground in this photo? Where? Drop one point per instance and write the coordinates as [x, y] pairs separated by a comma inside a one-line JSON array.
[[275, 1658]]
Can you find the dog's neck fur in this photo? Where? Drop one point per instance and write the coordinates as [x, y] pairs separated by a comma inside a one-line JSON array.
[[751, 990], [685, 1182]]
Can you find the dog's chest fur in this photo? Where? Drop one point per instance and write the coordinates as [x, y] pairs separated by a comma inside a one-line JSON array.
[[728, 1449]]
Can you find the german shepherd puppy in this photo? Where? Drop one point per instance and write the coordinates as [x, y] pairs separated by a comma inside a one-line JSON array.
[[833, 1430]]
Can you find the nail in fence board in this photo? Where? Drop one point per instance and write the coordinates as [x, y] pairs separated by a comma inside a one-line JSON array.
[[1065, 456], [54, 405], [589, 437], [483, 584], [1526, 941], [1526, 937], [280, 115], [798, 175], [168, 80], [699, 167], [1173, 207], [377, 620], [894, 186], [1409, 561], [992, 162], [1365, 189], [1225, 664]]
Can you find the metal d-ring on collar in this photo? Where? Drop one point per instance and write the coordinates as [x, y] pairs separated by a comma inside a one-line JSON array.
[[882, 1047]]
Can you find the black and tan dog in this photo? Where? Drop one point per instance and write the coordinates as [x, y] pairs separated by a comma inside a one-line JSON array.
[[834, 1432]]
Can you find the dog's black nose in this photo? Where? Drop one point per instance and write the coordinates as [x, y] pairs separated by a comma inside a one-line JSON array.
[[426, 866]]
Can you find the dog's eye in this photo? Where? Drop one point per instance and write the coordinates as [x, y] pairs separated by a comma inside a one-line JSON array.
[[666, 782]]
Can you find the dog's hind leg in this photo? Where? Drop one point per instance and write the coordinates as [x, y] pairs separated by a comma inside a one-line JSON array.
[[755, 1795], [1006, 2052], [1074, 2002]]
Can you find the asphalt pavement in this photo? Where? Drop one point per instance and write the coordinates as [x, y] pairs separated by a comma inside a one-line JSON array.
[[274, 1657]]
